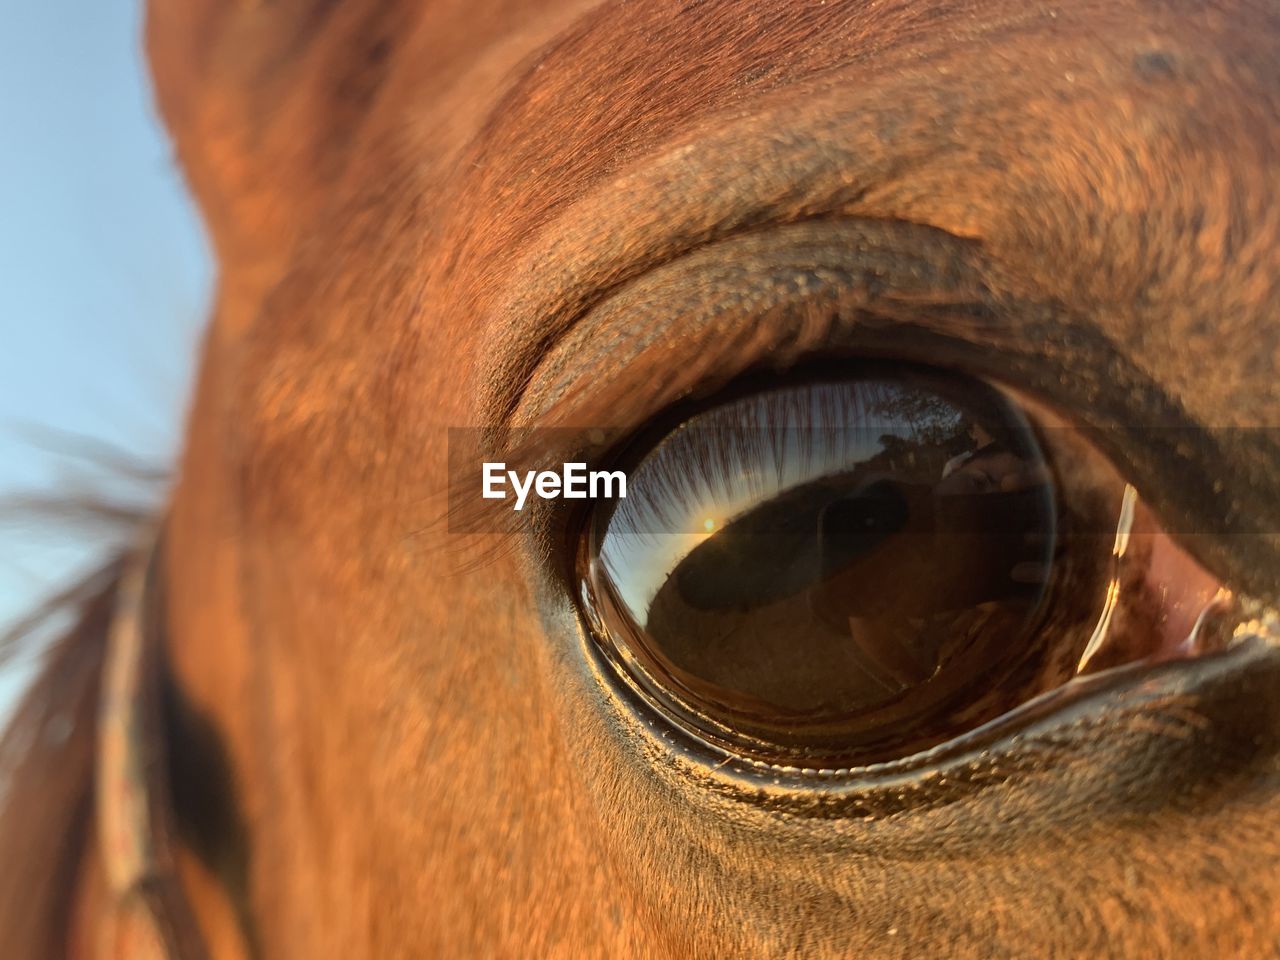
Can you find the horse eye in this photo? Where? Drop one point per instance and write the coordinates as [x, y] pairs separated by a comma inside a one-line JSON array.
[[845, 571]]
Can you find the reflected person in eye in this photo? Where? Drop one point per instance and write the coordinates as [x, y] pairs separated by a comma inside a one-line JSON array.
[[989, 464]]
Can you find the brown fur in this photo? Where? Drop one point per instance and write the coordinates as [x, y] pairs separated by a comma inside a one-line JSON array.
[[493, 213]]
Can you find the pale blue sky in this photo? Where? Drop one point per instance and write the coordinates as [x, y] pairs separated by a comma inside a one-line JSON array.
[[104, 274]]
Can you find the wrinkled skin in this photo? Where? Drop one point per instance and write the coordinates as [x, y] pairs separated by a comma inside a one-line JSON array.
[[442, 214]]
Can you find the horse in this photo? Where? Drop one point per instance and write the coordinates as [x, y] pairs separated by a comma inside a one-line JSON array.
[[325, 706]]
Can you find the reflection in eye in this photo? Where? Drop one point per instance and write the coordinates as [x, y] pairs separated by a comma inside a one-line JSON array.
[[848, 570]]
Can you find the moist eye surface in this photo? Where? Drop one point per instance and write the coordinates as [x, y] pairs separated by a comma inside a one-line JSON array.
[[835, 568]]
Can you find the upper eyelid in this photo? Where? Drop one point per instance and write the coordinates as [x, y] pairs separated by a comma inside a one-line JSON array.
[[768, 296], [587, 384]]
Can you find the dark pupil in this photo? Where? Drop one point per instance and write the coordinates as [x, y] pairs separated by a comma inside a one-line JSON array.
[[884, 592]]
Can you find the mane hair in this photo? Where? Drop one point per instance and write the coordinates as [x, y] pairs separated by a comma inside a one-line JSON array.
[[47, 748]]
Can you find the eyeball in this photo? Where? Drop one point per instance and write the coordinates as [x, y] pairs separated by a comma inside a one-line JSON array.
[[841, 570]]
